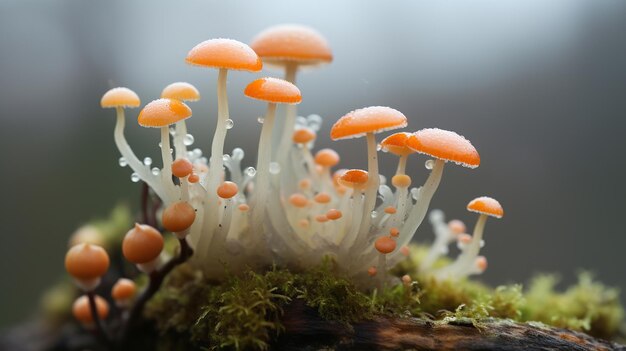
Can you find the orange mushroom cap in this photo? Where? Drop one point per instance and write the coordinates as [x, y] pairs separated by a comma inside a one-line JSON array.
[[123, 289], [193, 178], [292, 43], [273, 90], [481, 263], [444, 145], [372, 271], [225, 53], [385, 244], [396, 144], [86, 261], [227, 190], [120, 97], [303, 136], [181, 168], [142, 244], [327, 158], [354, 178], [82, 311], [181, 91], [163, 112], [322, 198], [374, 119], [486, 205], [178, 216]]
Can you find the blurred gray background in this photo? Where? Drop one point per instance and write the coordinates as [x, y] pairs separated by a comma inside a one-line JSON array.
[[538, 86]]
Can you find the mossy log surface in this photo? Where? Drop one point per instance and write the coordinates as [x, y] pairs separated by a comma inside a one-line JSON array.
[[305, 330]]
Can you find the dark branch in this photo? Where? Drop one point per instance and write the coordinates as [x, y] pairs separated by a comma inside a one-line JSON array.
[[101, 333]]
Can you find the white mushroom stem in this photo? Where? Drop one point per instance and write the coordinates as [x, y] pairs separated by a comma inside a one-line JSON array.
[[263, 165], [372, 184], [418, 212], [402, 164], [166, 172], [179, 139], [217, 147], [382, 268], [467, 259], [290, 118], [133, 162]]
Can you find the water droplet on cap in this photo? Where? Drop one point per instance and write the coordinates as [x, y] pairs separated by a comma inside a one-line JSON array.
[[429, 164], [229, 123], [147, 161], [260, 119], [156, 171], [122, 161], [134, 177]]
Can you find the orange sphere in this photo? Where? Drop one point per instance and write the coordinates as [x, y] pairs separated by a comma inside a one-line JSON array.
[[334, 214], [227, 190], [178, 216], [193, 178], [182, 168], [142, 244], [123, 289], [372, 271], [385, 244], [82, 311], [86, 261]]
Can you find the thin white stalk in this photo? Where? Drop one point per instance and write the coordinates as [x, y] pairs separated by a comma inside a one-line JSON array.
[[133, 162], [263, 165], [166, 172], [372, 184], [179, 140], [468, 257], [402, 164], [418, 212], [212, 180], [290, 119], [358, 212]]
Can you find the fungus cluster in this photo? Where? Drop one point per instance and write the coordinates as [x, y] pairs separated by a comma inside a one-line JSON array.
[[294, 207]]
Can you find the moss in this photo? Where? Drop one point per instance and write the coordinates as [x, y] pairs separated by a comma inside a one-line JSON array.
[[245, 311]]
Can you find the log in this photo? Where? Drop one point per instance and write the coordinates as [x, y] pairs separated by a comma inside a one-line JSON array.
[[305, 330]]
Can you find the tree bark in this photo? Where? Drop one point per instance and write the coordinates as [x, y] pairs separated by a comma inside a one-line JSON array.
[[305, 330]]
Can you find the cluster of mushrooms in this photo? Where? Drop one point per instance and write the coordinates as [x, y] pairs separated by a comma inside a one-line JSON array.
[[293, 208]]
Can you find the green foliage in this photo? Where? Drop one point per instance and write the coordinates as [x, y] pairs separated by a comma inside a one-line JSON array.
[[587, 306]]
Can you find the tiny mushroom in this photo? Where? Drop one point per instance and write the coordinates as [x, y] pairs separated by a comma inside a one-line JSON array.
[[87, 263], [291, 46], [384, 245], [142, 245], [366, 122], [485, 207], [184, 92], [273, 91], [444, 146], [161, 113], [224, 55]]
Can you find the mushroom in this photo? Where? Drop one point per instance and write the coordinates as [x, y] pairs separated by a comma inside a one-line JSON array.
[[88, 234], [445, 233], [142, 245], [121, 98], [291, 46], [224, 55], [273, 91], [326, 159], [304, 137], [161, 113], [82, 311], [366, 122], [184, 92], [357, 180], [183, 169], [178, 218], [87, 263], [123, 292], [384, 245], [444, 146]]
